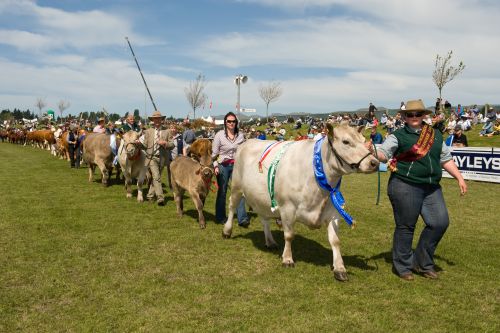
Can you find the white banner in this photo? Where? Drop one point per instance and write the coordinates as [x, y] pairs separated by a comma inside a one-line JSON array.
[[477, 163]]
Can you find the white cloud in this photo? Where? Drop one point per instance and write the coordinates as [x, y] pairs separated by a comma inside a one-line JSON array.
[[385, 49]]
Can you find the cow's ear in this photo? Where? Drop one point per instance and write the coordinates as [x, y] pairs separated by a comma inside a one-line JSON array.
[[198, 171], [329, 127], [360, 129]]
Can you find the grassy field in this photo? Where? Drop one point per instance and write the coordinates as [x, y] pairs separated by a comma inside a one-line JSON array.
[[75, 256]]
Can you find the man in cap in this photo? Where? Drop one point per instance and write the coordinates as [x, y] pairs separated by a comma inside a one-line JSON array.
[[130, 124], [459, 139], [156, 142], [100, 126]]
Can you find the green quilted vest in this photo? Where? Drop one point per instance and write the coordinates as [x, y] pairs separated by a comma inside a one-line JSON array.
[[426, 170]]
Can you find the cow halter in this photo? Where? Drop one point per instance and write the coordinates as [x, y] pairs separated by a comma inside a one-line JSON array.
[[342, 160], [137, 151]]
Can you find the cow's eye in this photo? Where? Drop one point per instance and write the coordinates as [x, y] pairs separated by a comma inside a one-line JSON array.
[[346, 142]]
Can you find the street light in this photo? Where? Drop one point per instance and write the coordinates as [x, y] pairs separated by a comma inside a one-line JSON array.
[[239, 79]]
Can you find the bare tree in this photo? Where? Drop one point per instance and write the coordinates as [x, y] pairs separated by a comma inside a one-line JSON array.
[[63, 105], [194, 93], [40, 104], [444, 72], [270, 93]]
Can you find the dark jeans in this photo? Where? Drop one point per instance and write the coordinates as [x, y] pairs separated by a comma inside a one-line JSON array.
[[78, 156], [71, 151], [409, 201], [225, 173]]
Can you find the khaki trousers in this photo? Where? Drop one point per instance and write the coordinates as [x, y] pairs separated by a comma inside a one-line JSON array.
[[155, 187]]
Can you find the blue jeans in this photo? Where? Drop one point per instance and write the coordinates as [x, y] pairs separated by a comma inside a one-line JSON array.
[[225, 173], [409, 201]]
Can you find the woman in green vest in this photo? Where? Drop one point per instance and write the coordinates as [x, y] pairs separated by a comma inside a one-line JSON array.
[[416, 154]]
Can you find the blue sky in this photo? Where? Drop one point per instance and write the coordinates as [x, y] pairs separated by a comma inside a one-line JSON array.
[[329, 55]]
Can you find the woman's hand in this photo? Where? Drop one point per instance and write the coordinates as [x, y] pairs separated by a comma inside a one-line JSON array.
[[216, 170], [463, 186]]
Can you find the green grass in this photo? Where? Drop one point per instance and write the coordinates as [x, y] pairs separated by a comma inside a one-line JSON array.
[[79, 257]]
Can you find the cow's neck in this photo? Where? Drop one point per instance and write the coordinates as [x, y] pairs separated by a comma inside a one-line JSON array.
[[331, 165]]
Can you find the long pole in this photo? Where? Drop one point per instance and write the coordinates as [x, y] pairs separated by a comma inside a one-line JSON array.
[[138, 67]]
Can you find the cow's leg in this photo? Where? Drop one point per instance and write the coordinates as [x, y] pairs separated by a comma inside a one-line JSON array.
[[234, 201], [128, 185], [104, 172], [199, 207], [91, 171], [270, 242], [289, 234], [178, 193], [339, 271], [140, 182]]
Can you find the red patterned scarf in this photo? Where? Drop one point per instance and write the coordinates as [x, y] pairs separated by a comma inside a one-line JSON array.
[[417, 151]]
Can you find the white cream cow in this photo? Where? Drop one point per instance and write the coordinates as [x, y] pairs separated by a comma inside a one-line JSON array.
[[132, 162], [297, 193]]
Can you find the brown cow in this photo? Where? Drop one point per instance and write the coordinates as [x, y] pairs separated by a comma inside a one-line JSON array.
[[189, 175], [97, 152]]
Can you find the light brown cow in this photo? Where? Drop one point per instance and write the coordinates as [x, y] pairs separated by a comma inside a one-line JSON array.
[[132, 162], [189, 175], [97, 152]]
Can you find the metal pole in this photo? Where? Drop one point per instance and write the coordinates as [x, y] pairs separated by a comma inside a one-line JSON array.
[[138, 67], [238, 80]]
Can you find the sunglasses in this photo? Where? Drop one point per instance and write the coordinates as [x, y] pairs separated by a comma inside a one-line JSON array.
[[414, 114], [231, 121]]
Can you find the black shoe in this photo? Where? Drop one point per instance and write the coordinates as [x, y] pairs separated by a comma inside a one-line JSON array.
[[244, 224]]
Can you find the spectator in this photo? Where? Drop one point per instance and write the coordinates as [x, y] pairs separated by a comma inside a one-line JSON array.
[[383, 119], [281, 135], [452, 123], [111, 129], [177, 139], [438, 103], [447, 105], [99, 128], [375, 136], [390, 125], [188, 138], [402, 107], [224, 146], [261, 135], [487, 128], [72, 144], [496, 128], [459, 139], [465, 123], [130, 124]]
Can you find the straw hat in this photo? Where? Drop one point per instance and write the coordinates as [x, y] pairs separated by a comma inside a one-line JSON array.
[[102, 119], [156, 115], [416, 106]]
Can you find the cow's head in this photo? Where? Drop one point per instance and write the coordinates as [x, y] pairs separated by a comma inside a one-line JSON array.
[[132, 148], [206, 173], [349, 150]]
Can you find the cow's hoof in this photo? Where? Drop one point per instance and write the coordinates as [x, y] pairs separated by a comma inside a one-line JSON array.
[[140, 200], [289, 264], [129, 195], [340, 276], [202, 226], [225, 236]]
